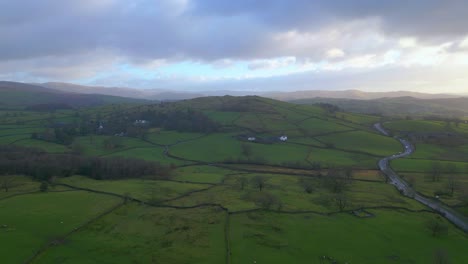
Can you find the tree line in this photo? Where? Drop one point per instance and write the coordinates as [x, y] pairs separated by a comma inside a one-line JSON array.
[[43, 166]]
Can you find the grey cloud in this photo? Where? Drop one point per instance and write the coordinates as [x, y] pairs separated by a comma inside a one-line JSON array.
[[208, 29]]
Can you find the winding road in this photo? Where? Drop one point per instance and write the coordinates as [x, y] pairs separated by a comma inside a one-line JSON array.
[[384, 164]]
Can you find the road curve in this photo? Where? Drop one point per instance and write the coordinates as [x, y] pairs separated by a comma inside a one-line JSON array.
[[384, 164]]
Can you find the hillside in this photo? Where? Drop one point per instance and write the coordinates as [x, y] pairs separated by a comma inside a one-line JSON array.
[[151, 94], [20, 95], [239, 179], [399, 106], [352, 94]]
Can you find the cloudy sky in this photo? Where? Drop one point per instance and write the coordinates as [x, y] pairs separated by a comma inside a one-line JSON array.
[[238, 45]]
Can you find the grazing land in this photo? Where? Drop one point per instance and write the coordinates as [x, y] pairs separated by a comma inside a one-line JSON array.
[[225, 180]]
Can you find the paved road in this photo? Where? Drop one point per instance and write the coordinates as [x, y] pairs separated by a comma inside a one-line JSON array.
[[404, 188]]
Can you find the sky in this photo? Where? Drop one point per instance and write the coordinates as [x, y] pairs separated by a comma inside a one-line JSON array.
[[244, 45]]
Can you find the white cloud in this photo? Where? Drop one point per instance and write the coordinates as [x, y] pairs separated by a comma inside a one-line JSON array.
[[335, 53]]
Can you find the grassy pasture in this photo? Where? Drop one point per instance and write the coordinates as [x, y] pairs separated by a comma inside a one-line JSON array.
[[171, 137], [153, 153], [147, 190], [432, 151], [310, 141], [94, 145], [41, 144], [416, 125], [18, 184], [293, 197], [364, 141], [31, 220], [333, 157], [19, 130], [315, 126], [389, 237], [224, 118], [201, 174], [139, 234], [212, 148], [5, 140], [424, 165], [422, 183], [358, 118]]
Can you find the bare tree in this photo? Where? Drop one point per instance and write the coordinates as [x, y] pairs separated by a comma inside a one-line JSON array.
[[452, 184], [441, 257], [242, 182], [341, 201], [437, 227], [259, 182], [436, 171], [307, 184], [411, 181], [246, 149], [349, 174], [7, 182], [451, 168], [267, 200], [334, 181]]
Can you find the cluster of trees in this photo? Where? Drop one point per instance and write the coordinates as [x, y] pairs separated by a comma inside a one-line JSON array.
[[49, 107], [187, 120], [44, 166], [329, 108], [63, 135]]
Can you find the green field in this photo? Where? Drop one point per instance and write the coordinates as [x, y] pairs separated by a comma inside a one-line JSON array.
[[389, 237], [319, 197], [139, 234], [30, 221]]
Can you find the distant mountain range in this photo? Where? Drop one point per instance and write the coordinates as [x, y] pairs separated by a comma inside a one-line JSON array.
[[399, 106], [162, 94], [20, 95], [353, 94], [385, 103], [151, 94]]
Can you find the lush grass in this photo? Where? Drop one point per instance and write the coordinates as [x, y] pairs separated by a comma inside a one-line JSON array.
[[139, 234], [32, 220], [171, 137], [223, 118], [310, 141], [333, 157], [292, 196], [432, 151], [94, 145], [19, 130], [422, 182], [147, 190], [423, 165], [5, 140], [416, 125], [18, 184], [251, 121], [358, 118], [44, 145], [153, 153], [390, 237], [315, 126], [279, 153], [211, 148], [364, 141], [201, 174]]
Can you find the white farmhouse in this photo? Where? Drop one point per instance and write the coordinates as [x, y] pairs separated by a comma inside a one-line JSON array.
[[283, 138]]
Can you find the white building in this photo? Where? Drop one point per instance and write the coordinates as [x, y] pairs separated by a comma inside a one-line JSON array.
[[283, 138]]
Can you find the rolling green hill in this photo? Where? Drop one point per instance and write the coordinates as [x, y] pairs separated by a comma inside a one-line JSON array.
[[20, 95], [180, 182], [401, 106]]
